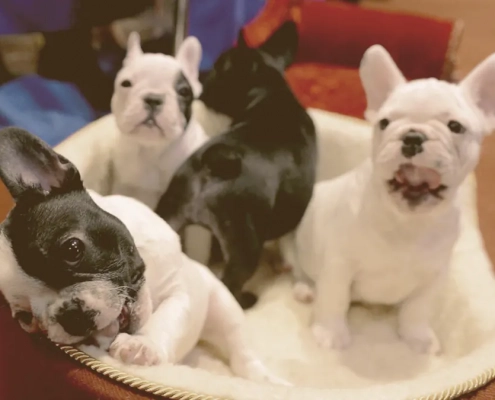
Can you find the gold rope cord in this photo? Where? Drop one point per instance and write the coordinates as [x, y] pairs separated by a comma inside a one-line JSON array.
[[157, 389]]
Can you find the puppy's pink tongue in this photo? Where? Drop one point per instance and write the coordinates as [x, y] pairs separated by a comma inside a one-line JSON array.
[[415, 176]]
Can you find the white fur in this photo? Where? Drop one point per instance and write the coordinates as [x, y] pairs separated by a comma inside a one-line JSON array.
[[357, 241], [146, 156], [180, 303], [188, 302], [378, 365]]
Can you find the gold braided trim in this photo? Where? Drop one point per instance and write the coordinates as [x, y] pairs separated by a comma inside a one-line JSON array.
[[157, 389], [132, 381]]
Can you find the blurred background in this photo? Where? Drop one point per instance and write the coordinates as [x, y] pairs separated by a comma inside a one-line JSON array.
[[58, 59]]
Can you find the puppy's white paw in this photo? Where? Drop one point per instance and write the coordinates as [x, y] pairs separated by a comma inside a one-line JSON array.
[[136, 349], [303, 292], [421, 339], [335, 336]]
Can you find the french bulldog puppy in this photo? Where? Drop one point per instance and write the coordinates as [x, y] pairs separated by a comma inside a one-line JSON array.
[[384, 232], [252, 183], [79, 266], [152, 105]]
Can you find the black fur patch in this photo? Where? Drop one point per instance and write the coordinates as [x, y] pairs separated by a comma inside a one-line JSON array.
[[75, 319], [185, 96], [241, 74], [36, 233]]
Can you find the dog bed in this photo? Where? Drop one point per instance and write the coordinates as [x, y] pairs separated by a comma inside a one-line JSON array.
[[378, 366]]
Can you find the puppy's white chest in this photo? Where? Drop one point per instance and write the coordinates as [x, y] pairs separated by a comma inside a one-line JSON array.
[[388, 269], [132, 165], [389, 277]]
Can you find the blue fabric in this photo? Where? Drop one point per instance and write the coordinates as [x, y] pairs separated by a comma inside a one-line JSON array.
[[216, 24], [50, 109], [54, 110], [23, 16]]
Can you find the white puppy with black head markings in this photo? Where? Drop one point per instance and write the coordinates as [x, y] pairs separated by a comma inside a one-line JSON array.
[[79, 267], [384, 232], [152, 105]]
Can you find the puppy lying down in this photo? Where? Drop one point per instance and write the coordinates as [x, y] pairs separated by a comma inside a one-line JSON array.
[[76, 273]]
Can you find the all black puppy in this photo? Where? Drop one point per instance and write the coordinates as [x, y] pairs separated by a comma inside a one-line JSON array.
[[252, 183]]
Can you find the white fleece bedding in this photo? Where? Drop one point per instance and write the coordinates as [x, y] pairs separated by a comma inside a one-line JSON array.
[[378, 365]]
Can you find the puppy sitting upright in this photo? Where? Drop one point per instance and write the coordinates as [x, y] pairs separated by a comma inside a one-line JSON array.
[[152, 105], [252, 183], [384, 232]]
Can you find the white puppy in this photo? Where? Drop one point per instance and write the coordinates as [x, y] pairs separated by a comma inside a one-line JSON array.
[[384, 232], [152, 105]]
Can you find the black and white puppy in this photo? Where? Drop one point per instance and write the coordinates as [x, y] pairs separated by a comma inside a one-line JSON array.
[[253, 183], [152, 109], [69, 268], [73, 268]]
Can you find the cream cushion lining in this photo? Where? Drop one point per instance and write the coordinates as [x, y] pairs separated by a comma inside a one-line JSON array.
[[378, 366]]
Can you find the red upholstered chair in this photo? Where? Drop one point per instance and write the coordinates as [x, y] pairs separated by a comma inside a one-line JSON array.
[[333, 37]]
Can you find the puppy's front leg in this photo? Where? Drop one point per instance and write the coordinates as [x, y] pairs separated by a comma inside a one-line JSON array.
[[241, 248], [160, 338], [333, 287], [224, 328], [415, 316]]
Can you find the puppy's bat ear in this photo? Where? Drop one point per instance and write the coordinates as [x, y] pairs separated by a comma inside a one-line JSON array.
[[223, 161], [133, 47], [379, 77], [479, 87], [29, 165], [241, 40], [189, 57], [282, 45]]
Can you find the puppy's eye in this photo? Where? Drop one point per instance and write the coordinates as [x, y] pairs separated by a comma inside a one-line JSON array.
[[456, 127], [126, 83], [72, 251], [184, 91], [383, 123]]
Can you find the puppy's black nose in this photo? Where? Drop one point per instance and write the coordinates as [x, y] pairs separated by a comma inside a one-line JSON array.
[[75, 320], [412, 143], [153, 102]]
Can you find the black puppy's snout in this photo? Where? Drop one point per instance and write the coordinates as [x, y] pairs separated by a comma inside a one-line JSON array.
[[153, 102], [412, 143], [75, 320]]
